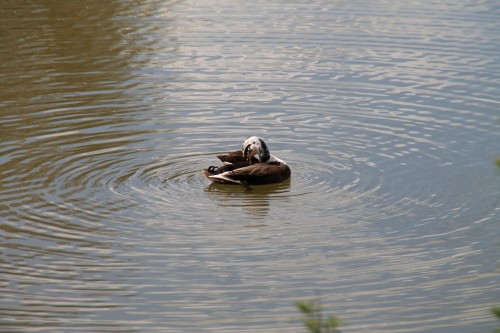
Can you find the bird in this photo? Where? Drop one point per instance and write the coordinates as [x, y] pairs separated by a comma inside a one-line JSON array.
[[252, 165]]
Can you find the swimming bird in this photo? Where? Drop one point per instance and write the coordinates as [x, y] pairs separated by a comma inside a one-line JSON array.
[[252, 165]]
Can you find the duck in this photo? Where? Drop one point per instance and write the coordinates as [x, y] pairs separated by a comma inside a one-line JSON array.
[[252, 165]]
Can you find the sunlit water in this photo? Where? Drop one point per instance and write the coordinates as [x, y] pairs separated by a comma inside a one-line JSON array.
[[387, 113]]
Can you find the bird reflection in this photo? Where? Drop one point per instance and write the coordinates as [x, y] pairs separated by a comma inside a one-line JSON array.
[[255, 200]]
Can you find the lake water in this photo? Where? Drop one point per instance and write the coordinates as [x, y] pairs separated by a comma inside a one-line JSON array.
[[387, 113]]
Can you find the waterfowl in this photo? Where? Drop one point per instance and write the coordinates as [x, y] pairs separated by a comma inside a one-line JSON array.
[[252, 165]]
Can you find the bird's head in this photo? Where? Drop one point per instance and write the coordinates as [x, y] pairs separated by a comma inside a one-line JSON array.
[[255, 147]]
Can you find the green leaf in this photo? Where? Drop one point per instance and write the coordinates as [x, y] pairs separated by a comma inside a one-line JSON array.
[[312, 325], [305, 307], [496, 310], [332, 322]]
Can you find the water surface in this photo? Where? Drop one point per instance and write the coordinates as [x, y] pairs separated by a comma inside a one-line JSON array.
[[387, 114]]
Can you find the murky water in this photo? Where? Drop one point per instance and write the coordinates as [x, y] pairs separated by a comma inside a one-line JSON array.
[[387, 113]]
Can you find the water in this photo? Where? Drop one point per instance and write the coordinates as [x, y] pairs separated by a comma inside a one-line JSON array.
[[387, 114]]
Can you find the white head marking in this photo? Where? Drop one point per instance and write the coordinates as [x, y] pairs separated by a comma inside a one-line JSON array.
[[255, 147]]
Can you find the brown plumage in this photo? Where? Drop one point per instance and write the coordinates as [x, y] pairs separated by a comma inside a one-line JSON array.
[[235, 157], [253, 165]]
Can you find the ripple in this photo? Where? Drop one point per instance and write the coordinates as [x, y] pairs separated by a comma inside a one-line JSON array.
[[386, 115]]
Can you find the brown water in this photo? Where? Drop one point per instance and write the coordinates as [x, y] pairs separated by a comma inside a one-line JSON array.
[[387, 113]]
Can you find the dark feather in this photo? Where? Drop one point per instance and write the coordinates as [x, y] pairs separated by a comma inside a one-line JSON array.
[[261, 173], [235, 157]]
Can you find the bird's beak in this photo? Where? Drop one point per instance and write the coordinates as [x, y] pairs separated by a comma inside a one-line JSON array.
[[252, 154]]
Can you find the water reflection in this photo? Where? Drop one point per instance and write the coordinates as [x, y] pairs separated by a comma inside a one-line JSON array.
[[66, 90], [385, 113], [254, 200]]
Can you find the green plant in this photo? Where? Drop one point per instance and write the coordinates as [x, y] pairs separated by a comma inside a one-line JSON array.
[[313, 318], [496, 312]]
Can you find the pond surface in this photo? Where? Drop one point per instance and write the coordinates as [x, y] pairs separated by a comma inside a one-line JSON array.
[[387, 113]]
